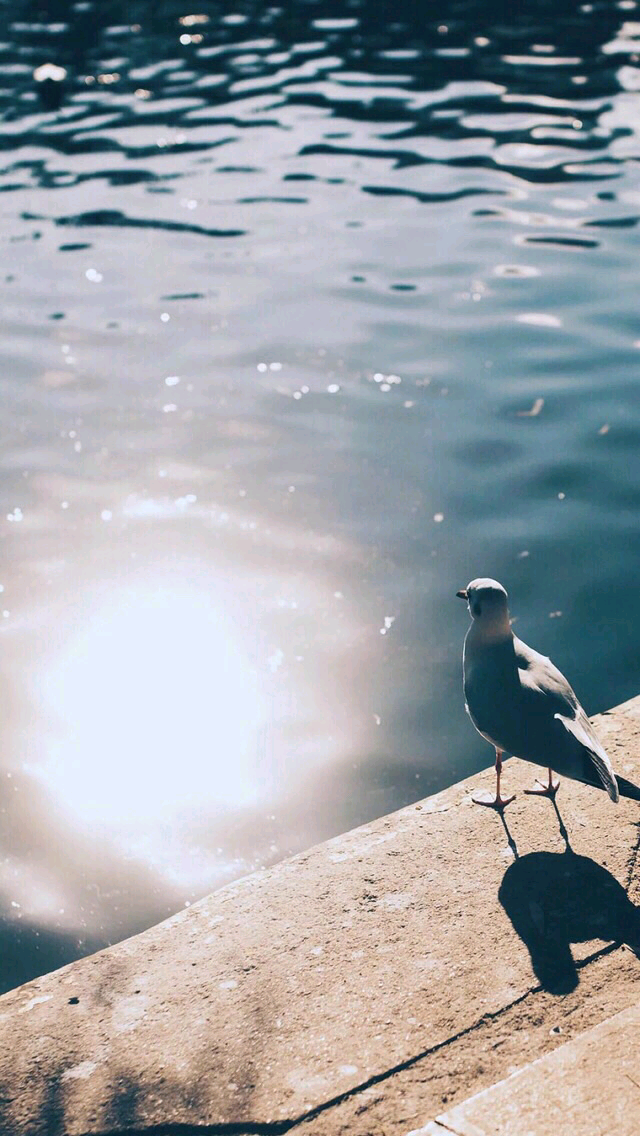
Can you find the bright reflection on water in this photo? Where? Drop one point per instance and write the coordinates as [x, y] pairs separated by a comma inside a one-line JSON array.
[[308, 317], [160, 712]]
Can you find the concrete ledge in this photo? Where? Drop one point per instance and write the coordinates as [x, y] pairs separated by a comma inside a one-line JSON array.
[[595, 1077], [367, 985]]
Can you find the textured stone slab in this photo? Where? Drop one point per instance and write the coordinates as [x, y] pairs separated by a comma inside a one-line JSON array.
[[288, 993], [590, 1085]]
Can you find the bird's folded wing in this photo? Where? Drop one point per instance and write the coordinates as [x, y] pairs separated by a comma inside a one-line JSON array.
[[539, 678], [583, 732]]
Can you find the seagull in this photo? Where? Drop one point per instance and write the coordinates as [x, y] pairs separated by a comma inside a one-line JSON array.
[[523, 705]]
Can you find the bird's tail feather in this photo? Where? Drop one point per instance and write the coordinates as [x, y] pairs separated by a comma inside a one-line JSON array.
[[628, 789], [595, 760]]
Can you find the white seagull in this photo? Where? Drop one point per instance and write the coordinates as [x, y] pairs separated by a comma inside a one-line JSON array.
[[523, 705]]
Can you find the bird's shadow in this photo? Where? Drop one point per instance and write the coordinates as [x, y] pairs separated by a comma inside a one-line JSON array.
[[554, 899]]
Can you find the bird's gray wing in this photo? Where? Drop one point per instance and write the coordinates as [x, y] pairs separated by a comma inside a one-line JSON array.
[[541, 680], [582, 729], [539, 675]]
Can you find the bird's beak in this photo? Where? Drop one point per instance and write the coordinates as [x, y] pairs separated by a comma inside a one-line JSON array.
[[462, 594]]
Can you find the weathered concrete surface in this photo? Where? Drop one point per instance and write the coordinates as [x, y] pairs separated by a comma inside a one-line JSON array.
[[589, 1085], [365, 985], [483, 1055]]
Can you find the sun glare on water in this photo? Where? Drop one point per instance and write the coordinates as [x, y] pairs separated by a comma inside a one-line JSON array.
[[156, 711]]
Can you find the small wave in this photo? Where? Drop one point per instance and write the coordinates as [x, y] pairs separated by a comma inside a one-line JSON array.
[[560, 242], [113, 217], [429, 198]]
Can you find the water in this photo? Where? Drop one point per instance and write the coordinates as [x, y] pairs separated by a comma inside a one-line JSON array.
[[309, 315]]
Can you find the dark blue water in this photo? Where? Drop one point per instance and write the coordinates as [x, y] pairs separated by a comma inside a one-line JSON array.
[[310, 313]]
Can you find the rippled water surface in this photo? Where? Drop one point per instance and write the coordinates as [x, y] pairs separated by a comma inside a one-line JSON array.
[[310, 313]]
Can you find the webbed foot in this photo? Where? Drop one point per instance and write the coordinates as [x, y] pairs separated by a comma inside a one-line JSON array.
[[498, 802], [545, 790]]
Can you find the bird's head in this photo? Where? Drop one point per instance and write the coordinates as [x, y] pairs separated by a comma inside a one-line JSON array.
[[488, 604]]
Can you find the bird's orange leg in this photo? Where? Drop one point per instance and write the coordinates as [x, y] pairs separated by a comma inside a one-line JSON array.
[[499, 802], [548, 790]]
